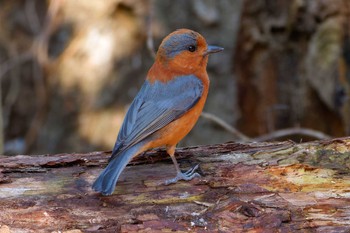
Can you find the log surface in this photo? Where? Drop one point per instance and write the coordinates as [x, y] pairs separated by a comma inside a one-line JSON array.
[[252, 187]]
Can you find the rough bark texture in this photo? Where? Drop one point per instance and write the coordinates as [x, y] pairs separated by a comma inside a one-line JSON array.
[[292, 66], [255, 187]]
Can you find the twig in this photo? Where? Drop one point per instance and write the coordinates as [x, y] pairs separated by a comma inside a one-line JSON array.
[[41, 102], [15, 61], [4, 68], [292, 131], [13, 90], [40, 44], [150, 42], [32, 16], [276, 134], [40, 52], [225, 126]]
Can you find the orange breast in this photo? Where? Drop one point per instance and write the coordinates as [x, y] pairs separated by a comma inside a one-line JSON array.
[[171, 134]]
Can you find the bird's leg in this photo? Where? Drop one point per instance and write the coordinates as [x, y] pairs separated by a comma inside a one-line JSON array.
[[188, 175]]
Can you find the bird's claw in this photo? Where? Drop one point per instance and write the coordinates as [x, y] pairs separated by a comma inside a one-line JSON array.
[[191, 170], [188, 175]]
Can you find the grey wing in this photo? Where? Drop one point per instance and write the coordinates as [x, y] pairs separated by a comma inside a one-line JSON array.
[[155, 106]]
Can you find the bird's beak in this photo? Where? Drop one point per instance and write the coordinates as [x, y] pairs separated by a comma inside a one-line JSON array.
[[213, 49]]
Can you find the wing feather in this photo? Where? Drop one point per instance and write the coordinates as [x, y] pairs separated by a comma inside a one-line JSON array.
[[155, 106]]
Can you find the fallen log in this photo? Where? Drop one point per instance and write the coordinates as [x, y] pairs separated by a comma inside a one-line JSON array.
[[251, 187]]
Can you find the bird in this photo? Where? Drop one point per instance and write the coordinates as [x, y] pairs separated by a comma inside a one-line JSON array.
[[166, 108]]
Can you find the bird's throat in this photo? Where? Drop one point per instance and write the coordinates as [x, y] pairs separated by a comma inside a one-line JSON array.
[[165, 71]]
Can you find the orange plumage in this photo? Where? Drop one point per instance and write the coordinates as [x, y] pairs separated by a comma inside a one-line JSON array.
[[166, 108]]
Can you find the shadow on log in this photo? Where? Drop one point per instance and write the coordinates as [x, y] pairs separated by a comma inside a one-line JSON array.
[[252, 187]]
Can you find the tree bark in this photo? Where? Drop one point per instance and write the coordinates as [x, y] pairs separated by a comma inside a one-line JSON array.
[[292, 66], [253, 187]]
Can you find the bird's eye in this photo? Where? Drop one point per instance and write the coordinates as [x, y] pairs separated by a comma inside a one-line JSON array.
[[191, 48]]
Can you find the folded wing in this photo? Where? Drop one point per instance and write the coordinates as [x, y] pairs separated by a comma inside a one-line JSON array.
[[156, 105]]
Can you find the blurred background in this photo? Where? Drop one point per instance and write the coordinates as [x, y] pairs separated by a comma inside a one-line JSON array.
[[69, 69]]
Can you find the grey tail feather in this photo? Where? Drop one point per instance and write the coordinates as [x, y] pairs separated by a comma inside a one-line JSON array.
[[107, 180]]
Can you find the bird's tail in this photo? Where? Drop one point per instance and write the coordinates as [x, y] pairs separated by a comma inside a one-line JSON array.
[[107, 180]]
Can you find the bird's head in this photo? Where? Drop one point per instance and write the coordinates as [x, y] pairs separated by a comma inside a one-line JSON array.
[[186, 50]]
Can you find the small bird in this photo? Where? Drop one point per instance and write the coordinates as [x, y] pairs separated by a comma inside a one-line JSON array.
[[166, 108]]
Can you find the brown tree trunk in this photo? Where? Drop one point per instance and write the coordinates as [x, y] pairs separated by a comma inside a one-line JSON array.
[[253, 187], [292, 66]]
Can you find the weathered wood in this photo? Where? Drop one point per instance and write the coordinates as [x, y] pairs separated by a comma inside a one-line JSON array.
[[255, 187]]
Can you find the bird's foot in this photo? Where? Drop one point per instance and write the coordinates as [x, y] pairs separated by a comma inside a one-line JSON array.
[[188, 175]]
